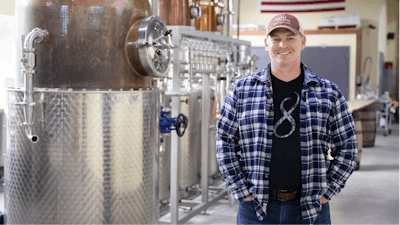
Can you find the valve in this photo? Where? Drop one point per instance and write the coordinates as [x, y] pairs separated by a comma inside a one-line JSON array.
[[181, 124], [167, 124]]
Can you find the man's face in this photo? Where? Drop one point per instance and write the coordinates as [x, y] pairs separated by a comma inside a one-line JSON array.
[[284, 47]]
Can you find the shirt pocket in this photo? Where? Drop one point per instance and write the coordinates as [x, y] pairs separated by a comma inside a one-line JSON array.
[[319, 113]]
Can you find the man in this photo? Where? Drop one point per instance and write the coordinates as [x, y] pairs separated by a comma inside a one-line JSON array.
[[274, 132]]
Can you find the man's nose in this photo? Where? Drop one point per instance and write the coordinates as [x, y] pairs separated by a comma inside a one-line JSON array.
[[282, 44]]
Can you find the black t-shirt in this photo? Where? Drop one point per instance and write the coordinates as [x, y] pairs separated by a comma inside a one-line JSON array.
[[285, 167]]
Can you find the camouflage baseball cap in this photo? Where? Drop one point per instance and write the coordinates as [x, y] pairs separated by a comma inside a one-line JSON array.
[[287, 21]]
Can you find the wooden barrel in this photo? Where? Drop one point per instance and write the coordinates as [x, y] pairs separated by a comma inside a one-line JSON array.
[[368, 122], [359, 135]]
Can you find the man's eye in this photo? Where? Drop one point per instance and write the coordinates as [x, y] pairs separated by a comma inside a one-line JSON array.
[[276, 39], [290, 39]]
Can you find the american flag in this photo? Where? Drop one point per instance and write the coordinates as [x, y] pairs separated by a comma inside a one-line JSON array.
[[297, 6]]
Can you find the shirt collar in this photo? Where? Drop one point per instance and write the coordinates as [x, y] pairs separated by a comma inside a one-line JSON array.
[[264, 75]]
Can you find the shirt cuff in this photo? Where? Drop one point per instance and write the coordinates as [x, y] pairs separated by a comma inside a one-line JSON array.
[[333, 189], [240, 192]]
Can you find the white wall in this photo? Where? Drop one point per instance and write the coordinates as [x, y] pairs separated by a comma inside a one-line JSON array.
[[7, 7], [7, 55], [7, 52], [369, 10]]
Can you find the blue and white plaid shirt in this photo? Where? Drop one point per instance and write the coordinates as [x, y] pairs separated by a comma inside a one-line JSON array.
[[245, 133]]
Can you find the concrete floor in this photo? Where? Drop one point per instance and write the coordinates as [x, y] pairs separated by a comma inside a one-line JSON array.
[[371, 195]]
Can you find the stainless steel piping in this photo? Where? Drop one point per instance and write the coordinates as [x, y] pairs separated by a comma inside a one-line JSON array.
[[217, 4], [28, 64], [155, 7], [190, 61], [238, 20], [230, 17], [227, 29]]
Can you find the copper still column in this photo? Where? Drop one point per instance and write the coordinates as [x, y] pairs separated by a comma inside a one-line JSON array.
[[86, 45], [208, 20], [176, 13]]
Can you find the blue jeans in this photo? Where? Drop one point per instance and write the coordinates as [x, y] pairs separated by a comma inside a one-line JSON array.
[[279, 212]]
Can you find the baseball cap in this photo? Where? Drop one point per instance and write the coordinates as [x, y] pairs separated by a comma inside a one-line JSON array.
[[285, 20]]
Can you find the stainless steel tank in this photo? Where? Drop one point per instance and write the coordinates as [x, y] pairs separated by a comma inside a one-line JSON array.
[[165, 169], [95, 162], [213, 170], [83, 119], [190, 143], [190, 162]]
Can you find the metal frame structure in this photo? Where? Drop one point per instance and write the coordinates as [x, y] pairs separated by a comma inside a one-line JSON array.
[[180, 32]]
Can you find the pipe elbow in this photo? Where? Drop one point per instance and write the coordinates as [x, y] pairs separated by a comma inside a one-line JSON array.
[[36, 35], [30, 134]]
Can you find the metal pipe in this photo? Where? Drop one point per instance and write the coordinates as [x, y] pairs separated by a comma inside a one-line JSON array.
[[191, 54], [154, 7], [170, 93], [175, 142], [204, 136], [238, 19], [227, 29], [217, 95], [28, 64], [216, 4]]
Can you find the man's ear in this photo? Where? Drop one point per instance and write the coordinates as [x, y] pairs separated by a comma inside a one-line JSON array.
[[266, 44], [303, 42]]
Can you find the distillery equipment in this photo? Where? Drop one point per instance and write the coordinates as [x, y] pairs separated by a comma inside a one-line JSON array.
[[205, 64], [83, 120]]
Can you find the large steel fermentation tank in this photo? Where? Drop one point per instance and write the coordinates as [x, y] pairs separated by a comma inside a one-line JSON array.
[[82, 143]]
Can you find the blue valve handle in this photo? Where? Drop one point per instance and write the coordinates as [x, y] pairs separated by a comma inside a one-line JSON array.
[[169, 124], [181, 124]]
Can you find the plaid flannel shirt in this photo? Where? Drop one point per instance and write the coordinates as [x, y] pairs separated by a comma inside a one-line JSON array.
[[245, 133]]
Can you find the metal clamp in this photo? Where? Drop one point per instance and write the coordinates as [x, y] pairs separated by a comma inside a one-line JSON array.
[[218, 4], [195, 11], [221, 19], [178, 93]]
